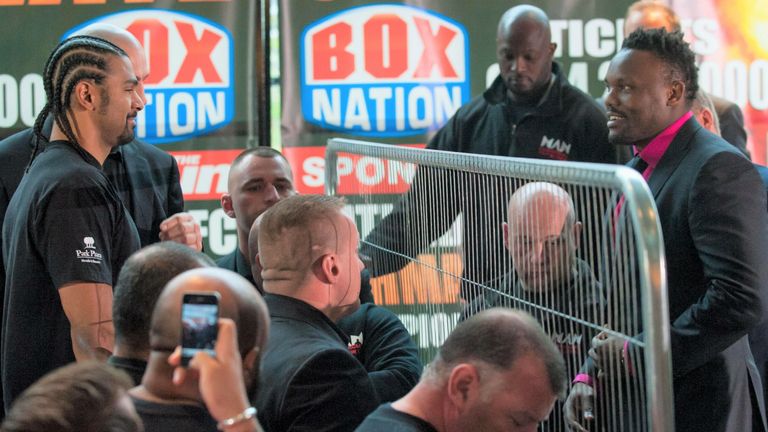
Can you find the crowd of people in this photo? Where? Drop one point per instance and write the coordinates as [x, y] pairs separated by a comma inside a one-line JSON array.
[[98, 254]]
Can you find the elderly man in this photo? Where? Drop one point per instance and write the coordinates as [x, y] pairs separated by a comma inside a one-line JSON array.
[[311, 273], [529, 111], [542, 236], [715, 238], [497, 371]]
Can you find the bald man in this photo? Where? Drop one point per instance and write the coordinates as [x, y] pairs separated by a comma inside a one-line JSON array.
[[165, 402], [311, 273], [648, 14], [529, 111], [542, 237]]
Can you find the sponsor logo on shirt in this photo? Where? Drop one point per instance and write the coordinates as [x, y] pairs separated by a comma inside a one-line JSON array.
[[89, 254], [567, 343], [554, 148], [355, 344]]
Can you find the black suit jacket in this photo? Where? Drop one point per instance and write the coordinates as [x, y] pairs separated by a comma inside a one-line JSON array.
[[712, 212], [731, 122], [310, 380]]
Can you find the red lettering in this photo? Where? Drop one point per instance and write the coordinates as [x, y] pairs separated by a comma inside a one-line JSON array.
[[330, 59], [198, 55], [434, 50], [386, 58], [153, 36]]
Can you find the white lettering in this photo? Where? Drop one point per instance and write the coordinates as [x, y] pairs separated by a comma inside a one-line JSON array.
[[325, 109], [181, 104], [357, 113], [32, 98], [210, 112], [9, 96], [314, 167]]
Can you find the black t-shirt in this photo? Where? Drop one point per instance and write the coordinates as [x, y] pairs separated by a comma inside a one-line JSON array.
[[386, 418], [64, 224], [167, 417]]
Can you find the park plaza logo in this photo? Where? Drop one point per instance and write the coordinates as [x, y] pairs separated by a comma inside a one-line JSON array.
[[383, 70], [554, 148], [89, 254], [190, 86]]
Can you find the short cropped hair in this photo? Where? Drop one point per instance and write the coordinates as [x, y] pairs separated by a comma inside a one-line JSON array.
[[140, 283], [671, 49], [288, 229], [80, 397], [498, 337], [264, 152]]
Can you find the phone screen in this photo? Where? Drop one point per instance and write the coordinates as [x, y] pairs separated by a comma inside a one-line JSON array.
[[199, 323]]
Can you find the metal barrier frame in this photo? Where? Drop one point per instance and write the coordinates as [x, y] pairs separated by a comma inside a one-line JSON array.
[[643, 216]]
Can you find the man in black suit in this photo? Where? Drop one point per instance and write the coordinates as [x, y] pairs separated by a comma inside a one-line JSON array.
[[653, 14], [311, 273], [715, 230]]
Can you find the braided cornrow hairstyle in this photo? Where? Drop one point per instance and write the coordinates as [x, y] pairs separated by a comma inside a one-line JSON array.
[[73, 60]]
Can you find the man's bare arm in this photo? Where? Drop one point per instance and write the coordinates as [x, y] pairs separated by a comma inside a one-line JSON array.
[[88, 307]]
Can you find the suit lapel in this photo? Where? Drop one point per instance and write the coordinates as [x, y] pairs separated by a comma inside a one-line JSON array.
[[677, 150]]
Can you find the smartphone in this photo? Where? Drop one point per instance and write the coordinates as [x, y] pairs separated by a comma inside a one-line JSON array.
[[199, 324]]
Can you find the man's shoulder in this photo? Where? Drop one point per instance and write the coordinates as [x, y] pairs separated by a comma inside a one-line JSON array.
[[149, 152], [387, 418], [227, 261], [18, 143], [163, 416]]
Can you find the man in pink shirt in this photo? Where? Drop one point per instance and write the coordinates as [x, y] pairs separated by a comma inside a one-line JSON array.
[[711, 206]]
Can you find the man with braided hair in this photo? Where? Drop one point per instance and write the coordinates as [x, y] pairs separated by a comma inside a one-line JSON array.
[[66, 233]]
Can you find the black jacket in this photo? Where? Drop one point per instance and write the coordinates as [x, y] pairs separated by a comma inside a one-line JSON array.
[[310, 381]]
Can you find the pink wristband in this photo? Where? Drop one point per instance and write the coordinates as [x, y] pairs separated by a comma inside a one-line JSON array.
[[584, 379], [627, 360]]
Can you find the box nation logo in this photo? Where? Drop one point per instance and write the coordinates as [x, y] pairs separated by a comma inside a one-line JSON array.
[[383, 70]]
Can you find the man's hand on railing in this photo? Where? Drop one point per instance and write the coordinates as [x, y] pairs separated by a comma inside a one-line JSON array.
[[578, 408], [608, 353]]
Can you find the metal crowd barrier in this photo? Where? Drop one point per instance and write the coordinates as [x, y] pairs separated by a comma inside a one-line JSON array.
[[433, 226]]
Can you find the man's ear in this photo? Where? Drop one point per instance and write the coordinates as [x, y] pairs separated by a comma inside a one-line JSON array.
[[552, 49], [463, 386], [505, 230], [86, 95], [226, 205], [675, 93], [327, 268]]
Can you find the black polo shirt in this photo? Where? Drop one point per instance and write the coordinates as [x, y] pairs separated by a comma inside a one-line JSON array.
[[64, 224]]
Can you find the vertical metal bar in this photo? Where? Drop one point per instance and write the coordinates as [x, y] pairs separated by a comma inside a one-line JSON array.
[[653, 277]]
